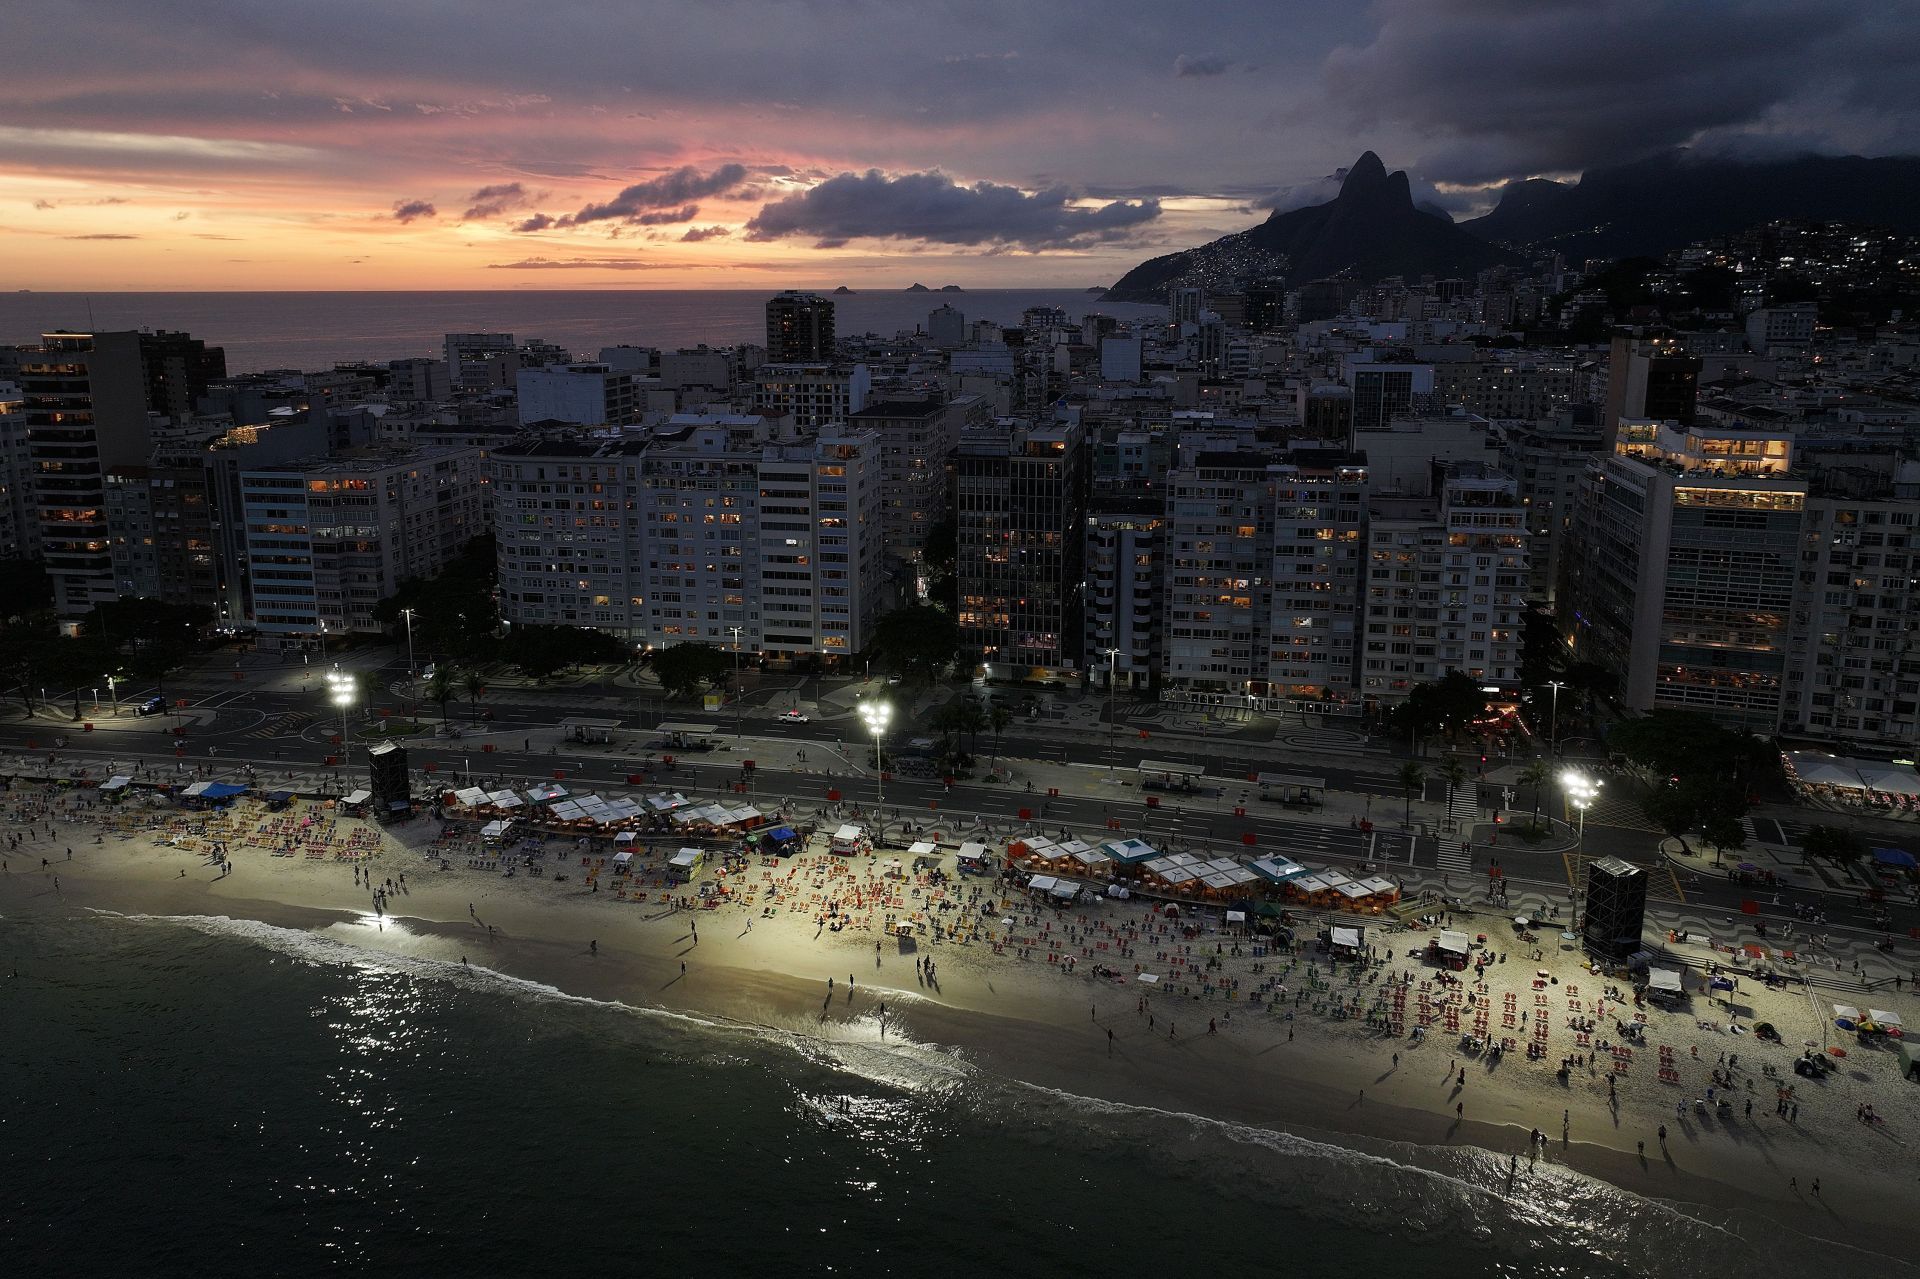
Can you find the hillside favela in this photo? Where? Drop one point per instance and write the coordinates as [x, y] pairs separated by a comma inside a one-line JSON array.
[[615, 619]]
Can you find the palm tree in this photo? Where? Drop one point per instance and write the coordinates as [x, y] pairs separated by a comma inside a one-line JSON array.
[[972, 717], [1412, 777], [1536, 775], [998, 718], [441, 689], [1454, 773], [475, 684]]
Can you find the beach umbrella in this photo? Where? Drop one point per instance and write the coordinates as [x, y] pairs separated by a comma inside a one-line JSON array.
[[1521, 920]]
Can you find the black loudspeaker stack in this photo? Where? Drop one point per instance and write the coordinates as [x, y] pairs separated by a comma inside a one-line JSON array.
[[392, 800], [1616, 907]]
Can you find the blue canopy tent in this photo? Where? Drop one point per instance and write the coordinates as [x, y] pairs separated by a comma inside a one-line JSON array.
[[1896, 857]]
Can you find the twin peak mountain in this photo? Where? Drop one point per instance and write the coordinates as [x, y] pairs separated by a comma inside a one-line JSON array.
[[1370, 230]]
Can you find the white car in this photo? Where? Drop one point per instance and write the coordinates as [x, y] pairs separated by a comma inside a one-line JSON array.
[[793, 717]]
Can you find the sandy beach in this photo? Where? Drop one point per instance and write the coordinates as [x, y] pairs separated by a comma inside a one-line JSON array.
[[1198, 1042]]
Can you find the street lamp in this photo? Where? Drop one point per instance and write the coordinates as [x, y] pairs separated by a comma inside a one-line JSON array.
[[1553, 727], [408, 614], [1113, 670], [341, 688], [736, 683], [112, 695], [1581, 792], [876, 714]]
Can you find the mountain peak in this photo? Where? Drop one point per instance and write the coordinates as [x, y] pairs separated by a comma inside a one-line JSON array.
[[1370, 230], [1367, 172]]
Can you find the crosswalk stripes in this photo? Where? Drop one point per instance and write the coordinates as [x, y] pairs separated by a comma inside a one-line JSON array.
[[1463, 809]]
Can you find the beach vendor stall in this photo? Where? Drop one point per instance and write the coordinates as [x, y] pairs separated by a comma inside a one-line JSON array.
[[1664, 986], [1129, 852], [1346, 943], [849, 840], [623, 860], [1884, 1022], [781, 841], [975, 859], [1448, 950], [115, 787], [625, 839], [496, 829], [686, 861]]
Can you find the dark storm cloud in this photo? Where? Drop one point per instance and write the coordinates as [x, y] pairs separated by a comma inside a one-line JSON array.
[[492, 201], [667, 217], [409, 210], [640, 203], [697, 233], [934, 208], [1200, 64], [1510, 87]]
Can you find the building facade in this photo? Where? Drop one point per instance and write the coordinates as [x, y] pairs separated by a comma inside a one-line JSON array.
[[799, 328], [328, 540], [1019, 511]]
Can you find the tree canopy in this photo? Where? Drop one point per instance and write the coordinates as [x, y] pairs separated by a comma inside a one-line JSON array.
[[1691, 747], [917, 643], [685, 669], [454, 614], [541, 651]]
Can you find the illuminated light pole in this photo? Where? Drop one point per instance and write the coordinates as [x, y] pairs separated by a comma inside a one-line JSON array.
[[342, 690], [1113, 670], [113, 695], [408, 614], [736, 684], [876, 715], [1553, 729], [1581, 792]]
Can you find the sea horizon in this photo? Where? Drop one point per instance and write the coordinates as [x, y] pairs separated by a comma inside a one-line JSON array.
[[313, 329]]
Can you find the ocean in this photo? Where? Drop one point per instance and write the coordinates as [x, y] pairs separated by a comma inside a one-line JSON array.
[[312, 331], [202, 1095]]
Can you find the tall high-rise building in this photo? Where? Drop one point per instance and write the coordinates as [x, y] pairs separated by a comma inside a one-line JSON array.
[[799, 328], [1020, 509], [917, 440], [19, 533], [1446, 584], [329, 539], [1649, 377], [87, 397], [1688, 561]]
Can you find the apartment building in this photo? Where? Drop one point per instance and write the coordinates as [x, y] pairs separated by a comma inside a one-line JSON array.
[[327, 540], [1548, 459], [1688, 566], [1123, 629], [1219, 551], [1853, 661], [768, 544], [917, 440], [87, 398], [582, 394], [1446, 583], [19, 530], [813, 395], [567, 527], [1019, 509], [1319, 513]]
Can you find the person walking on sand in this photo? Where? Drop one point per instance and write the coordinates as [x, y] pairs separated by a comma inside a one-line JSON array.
[[1816, 1187], [593, 947]]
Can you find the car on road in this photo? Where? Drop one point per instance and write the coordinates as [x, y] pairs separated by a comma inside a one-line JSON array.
[[793, 717], [152, 706]]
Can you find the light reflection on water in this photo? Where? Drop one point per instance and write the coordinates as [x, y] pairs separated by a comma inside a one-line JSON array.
[[349, 1110]]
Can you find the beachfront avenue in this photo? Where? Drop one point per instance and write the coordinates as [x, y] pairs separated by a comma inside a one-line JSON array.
[[1062, 769]]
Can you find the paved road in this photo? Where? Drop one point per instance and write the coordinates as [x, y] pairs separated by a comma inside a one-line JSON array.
[[270, 719]]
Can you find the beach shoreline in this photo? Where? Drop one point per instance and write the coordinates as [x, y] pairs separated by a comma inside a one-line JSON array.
[[1022, 1021]]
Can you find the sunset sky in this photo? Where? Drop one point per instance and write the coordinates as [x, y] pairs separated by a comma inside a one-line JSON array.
[[304, 144]]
